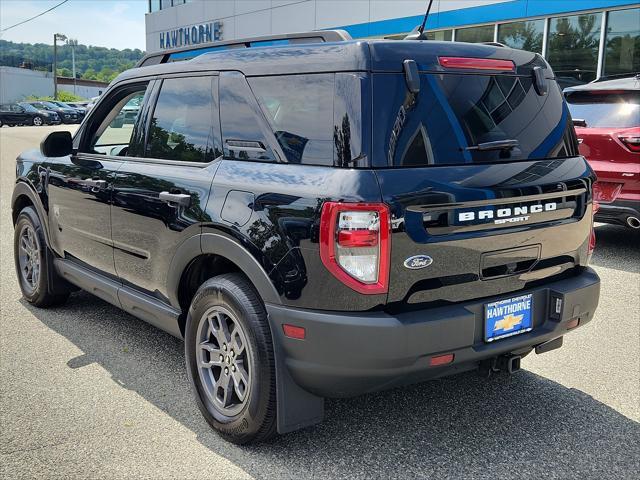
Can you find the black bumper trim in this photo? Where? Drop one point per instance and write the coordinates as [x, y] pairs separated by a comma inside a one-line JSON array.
[[347, 354]]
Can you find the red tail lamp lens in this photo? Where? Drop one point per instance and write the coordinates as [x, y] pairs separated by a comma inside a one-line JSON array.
[[477, 64], [355, 244], [605, 192], [573, 323], [441, 360], [292, 331], [632, 142]]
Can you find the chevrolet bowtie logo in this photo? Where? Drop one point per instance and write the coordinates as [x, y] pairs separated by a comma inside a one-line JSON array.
[[508, 322]]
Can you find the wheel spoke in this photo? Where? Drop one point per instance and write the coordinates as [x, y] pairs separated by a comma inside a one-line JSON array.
[[237, 341], [240, 382], [225, 387], [214, 355]]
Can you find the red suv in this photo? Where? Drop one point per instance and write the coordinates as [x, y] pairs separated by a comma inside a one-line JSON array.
[[606, 115]]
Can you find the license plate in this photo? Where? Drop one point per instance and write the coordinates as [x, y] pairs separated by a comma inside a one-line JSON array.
[[506, 318]]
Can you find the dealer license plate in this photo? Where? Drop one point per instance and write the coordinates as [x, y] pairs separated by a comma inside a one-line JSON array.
[[506, 318]]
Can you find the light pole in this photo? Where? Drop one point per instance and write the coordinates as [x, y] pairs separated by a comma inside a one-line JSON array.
[[62, 38], [73, 44]]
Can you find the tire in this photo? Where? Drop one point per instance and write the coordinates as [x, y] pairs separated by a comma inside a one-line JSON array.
[[1, 124], [250, 411], [29, 253], [37, 121]]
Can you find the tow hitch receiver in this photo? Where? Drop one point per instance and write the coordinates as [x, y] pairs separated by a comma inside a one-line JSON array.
[[503, 363]]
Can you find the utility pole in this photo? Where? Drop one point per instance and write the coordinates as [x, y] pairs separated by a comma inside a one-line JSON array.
[[56, 37], [73, 44]]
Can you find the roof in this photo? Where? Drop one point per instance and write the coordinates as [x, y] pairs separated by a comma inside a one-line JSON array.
[[360, 55], [627, 83]]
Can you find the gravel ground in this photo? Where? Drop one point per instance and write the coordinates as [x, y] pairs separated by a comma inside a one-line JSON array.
[[87, 391]]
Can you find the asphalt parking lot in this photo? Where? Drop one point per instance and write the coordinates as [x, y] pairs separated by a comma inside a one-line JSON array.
[[87, 391]]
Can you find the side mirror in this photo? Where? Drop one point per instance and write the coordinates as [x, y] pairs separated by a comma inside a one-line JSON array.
[[57, 144]]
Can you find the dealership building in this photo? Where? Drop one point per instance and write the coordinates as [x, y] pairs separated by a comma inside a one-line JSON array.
[[581, 39]]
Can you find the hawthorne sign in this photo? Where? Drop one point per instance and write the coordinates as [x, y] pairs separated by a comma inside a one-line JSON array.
[[183, 36]]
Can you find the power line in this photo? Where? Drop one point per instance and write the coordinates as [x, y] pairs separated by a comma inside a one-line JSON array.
[[33, 18]]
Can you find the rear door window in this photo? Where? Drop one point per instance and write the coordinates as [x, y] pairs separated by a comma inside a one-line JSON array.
[[454, 116], [184, 125], [606, 109]]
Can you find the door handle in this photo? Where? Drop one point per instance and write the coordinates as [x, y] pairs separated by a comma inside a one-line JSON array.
[[181, 199], [96, 184]]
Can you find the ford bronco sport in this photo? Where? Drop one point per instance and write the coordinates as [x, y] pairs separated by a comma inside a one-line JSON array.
[[320, 217]]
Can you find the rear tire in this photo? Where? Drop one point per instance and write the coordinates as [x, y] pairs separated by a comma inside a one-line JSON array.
[[230, 360], [30, 255]]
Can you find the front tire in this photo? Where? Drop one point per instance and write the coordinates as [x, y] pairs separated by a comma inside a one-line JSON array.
[[230, 360], [30, 251], [37, 121]]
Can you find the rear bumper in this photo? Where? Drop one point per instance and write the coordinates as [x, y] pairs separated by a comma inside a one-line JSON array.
[[618, 212], [346, 354]]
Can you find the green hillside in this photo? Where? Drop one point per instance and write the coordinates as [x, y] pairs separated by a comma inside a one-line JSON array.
[[92, 63]]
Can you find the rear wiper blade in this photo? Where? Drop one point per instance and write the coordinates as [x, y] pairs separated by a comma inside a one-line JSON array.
[[497, 145]]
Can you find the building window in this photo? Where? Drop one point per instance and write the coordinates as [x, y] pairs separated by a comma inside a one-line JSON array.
[[572, 48], [526, 35], [483, 33], [154, 5], [622, 48], [440, 35]]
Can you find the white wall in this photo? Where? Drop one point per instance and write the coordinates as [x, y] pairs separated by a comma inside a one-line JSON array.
[[247, 18], [83, 90], [18, 83]]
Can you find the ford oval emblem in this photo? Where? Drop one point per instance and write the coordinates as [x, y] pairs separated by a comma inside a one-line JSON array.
[[418, 261]]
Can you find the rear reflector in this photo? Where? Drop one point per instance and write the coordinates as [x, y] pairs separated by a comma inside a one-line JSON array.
[[573, 323], [477, 64], [291, 331], [441, 360]]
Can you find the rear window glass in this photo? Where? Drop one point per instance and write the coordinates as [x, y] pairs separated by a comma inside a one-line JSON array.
[[608, 110], [455, 118], [299, 109]]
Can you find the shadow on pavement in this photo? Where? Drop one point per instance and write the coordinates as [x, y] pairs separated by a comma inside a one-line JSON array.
[[617, 247], [459, 427]]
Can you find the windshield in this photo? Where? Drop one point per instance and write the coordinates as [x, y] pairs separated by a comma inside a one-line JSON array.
[[605, 110], [28, 107]]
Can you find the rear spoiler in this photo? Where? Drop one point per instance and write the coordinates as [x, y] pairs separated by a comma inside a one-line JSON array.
[[186, 53]]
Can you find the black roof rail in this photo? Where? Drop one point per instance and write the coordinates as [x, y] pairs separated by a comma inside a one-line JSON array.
[[186, 53]]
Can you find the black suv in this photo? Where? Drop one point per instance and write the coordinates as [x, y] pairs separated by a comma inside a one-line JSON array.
[[25, 114], [67, 115], [320, 218]]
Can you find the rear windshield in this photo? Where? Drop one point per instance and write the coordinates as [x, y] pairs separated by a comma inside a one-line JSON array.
[[454, 118], [608, 110]]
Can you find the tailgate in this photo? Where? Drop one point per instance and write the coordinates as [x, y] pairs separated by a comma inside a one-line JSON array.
[[488, 229]]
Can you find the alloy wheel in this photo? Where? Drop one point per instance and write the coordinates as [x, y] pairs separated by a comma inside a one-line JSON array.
[[223, 354], [29, 257], [37, 121]]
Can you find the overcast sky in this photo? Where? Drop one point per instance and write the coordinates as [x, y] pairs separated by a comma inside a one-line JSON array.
[[105, 23]]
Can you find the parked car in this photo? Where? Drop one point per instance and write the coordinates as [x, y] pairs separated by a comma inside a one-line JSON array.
[[607, 119], [321, 220], [20, 114], [80, 110], [67, 115]]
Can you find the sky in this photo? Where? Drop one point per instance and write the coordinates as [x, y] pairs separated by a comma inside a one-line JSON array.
[[104, 23]]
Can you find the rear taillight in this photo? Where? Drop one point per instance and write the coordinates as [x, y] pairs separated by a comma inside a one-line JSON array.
[[355, 244], [632, 142], [605, 192], [477, 64]]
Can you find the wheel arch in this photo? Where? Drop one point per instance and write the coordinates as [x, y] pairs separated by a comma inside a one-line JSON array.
[[25, 196], [205, 256]]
